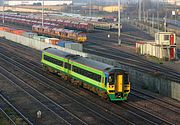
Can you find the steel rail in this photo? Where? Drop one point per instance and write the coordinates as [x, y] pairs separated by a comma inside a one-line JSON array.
[[28, 92], [43, 83], [141, 116]]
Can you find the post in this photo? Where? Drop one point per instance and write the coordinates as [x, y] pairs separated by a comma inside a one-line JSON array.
[[42, 12], [158, 15], [165, 24], [153, 20], [175, 12], [90, 7], [119, 23], [3, 11], [144, 10], [139, 10]]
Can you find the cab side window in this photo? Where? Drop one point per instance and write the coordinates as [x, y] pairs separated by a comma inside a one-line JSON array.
[[111, 79]]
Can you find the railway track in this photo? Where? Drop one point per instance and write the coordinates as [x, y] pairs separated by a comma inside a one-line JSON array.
[[153, 121], [110, 119], [25, 102], [129, 34], [113, 116], [131, 60], [139, 64], [62, 114], [12, 113], [101, 42], [152, 96]]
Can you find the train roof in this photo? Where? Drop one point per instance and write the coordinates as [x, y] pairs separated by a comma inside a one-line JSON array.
[[91, 63], [82, 60], [56, 52]]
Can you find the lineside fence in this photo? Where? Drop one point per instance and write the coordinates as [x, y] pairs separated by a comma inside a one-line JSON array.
[[150, 81]]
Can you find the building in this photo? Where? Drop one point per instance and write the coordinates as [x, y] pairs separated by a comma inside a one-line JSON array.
[[164, 46], [173, 2], [37, 2], [111, 8]]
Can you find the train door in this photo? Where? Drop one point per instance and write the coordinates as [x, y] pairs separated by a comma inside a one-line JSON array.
[[172, 54], [172, 39]]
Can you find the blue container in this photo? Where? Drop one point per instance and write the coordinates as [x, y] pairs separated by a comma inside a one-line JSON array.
[[63, 43]]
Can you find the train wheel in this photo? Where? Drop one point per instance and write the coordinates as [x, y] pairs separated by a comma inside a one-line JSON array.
[[44, 68], [105, 96]]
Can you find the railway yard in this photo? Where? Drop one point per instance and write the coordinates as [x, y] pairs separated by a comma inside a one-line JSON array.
[[25, 85], [45, 81]]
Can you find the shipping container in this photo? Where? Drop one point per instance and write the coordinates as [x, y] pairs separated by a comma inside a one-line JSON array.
[[71, 45], [29, 34], [2, 28], [18, 32], [40, 38], [62, 43], [53, 41]]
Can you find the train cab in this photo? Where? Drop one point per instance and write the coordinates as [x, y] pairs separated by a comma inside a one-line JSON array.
[[81, 37], [118, 85]]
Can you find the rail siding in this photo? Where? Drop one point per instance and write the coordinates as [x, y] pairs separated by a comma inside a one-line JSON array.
[[36, 44], [153, 82], [151, 31]]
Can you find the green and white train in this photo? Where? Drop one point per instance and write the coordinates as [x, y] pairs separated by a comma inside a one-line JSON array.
[[107, 81]]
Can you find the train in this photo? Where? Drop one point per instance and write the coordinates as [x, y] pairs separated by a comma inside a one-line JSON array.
[[63, 22], [74, 35], [106, 26], [109, 82]]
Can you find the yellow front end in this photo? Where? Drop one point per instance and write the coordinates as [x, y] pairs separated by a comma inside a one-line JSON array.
[[119, 84], [81, 39], [119, 90]]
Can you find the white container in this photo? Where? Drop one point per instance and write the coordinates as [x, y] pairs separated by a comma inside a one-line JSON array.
[[51, 40], [47, 40]]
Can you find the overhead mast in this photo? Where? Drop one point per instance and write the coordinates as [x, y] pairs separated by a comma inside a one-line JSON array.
[[42, 12], [119, 23], [3, 11]]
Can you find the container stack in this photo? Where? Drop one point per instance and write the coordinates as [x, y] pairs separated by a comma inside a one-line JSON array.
[[53, 41], [164, 46]]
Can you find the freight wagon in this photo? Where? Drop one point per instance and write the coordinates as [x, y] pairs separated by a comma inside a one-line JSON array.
[[60, 33], [105, 80], [106, 26], [63, 23]]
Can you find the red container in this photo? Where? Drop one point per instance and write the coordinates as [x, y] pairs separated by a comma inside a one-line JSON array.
[[18, 32], [2, 28], [7, 29]]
